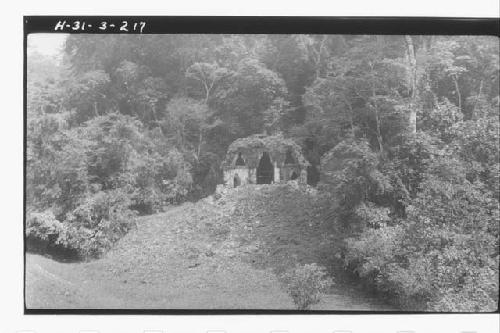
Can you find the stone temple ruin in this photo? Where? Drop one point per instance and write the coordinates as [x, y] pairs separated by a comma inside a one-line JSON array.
[[262, 159]]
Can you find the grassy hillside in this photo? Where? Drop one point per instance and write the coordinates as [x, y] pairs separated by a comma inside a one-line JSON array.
[[224, 251]]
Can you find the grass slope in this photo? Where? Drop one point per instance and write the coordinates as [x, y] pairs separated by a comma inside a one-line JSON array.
[[223, 252]]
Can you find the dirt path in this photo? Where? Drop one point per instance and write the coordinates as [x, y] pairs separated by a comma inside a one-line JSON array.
[[208, 255]]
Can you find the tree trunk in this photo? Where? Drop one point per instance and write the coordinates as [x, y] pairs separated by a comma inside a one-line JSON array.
[[457, 89], [379, 135], [412, 78], [318, 58], [377, 122], [207, 95], [200, 140], [207, 91], [477, 98], [351, 115]]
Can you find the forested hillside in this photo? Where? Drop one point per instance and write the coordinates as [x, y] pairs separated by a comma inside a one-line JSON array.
[[402, 133]]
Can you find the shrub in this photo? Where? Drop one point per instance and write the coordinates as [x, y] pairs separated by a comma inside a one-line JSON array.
[[95, 225], [350, 171], [90, 177], [306, 284], [42, 229], [441, 118], [56, 172], [410, 159], [158, 178], [454, 223], [443, 255], [476, 143], [373, 250], [371, 215], [347, 170]]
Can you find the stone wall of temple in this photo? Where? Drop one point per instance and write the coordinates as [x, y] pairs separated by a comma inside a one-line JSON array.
[[243, 174], [249, 175]]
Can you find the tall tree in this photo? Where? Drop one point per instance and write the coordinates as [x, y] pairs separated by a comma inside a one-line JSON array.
[[413, 84]]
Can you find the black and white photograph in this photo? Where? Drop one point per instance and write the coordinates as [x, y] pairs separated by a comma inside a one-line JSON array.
[[283, 172]]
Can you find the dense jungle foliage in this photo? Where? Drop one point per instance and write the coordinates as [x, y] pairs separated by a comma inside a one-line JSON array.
[[404, 130]]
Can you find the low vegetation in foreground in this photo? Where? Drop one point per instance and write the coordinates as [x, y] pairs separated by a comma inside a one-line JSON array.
[[233, 250]]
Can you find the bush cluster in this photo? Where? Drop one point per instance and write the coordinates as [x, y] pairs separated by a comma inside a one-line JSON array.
[[86, 184], [306, 284], [420, 224]]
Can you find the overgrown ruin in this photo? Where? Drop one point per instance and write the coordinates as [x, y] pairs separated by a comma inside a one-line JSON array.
[[262, 159]]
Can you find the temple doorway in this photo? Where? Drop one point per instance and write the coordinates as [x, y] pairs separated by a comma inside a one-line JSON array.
[[236, 180], [265, 170]]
